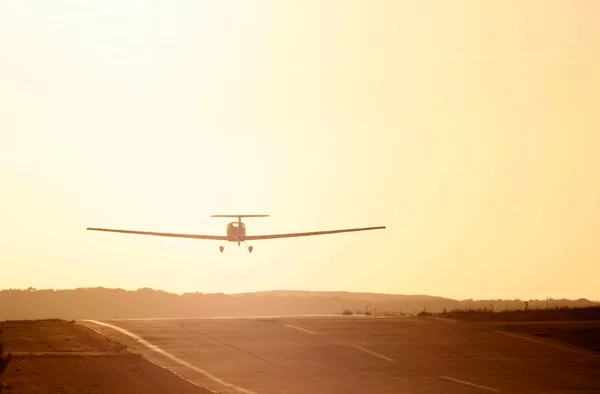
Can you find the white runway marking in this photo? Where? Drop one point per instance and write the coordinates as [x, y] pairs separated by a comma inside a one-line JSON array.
[[469, 384], [443, 319], [158, 365], [372, 353], [174, 358], [303, 329], [510, 334]]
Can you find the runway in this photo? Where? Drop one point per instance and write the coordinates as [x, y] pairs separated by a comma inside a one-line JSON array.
[[335, 355]]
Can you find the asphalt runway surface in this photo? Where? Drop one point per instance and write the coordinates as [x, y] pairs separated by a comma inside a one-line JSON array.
[[336, 355]]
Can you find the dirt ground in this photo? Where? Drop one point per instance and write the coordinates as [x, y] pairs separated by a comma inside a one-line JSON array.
[[55, 356]]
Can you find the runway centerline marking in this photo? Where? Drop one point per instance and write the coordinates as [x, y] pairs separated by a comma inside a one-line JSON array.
[[303, 329], [469, 384], [510, 334], [373, 353], [174, 358]]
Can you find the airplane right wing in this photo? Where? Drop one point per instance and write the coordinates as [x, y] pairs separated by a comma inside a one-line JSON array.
[[290, 235], [173, 235]]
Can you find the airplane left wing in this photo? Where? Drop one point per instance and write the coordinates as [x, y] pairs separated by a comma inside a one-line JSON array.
[[173, 235], [291, 235]]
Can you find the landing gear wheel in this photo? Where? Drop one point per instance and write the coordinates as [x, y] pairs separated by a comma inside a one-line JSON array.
[[221, 248], [250, 248]]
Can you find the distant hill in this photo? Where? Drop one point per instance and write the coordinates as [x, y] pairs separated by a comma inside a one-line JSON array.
[[345, 294], [103, 303]]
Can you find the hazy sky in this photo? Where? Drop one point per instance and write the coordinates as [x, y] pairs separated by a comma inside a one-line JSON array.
[[469, 128]]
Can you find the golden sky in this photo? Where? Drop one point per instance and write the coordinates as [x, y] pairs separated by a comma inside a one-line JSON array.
[[468, 128]]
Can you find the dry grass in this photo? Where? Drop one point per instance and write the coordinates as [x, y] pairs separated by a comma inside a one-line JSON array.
[[591, 313], [578, 326], [575, 326]]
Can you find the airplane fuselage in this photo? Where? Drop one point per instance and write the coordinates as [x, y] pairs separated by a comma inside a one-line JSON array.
[[236, 232]]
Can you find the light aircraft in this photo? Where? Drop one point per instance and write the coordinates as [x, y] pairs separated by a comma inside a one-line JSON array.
[[236, 232]]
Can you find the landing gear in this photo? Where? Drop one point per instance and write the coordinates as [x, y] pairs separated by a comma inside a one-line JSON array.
[[250, 248]]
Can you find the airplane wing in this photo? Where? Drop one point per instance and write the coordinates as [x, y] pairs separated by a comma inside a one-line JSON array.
[[273, 236], [195, 236]]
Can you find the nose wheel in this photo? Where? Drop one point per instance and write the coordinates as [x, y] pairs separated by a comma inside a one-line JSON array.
[[250, 248], [221, 248]]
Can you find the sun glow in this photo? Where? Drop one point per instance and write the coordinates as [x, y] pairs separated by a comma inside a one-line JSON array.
[[469, 130]]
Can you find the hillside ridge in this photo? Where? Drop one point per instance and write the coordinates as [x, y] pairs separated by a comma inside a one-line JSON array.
[[109, 303]]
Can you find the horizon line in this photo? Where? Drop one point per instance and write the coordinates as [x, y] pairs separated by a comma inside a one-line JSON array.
[[300, 291]]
